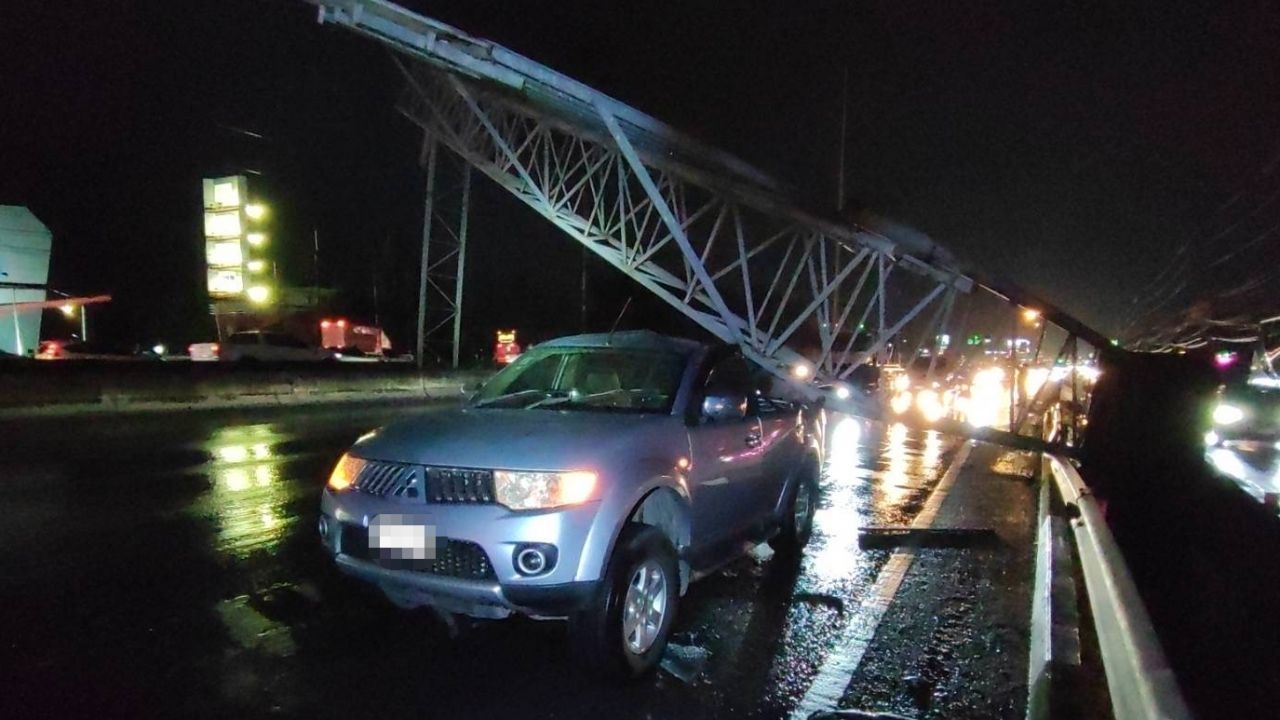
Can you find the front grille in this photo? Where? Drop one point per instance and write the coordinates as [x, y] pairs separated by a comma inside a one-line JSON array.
[[459, 485], [383, 478], [454, 558]]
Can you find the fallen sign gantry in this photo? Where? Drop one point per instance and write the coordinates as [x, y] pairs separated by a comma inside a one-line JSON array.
[[715, 238]]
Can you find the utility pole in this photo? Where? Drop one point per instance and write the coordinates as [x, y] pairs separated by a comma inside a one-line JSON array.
[[315, 265], [844, 124], [377, 264]]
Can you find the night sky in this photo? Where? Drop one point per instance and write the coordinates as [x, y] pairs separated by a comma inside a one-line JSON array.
[[1104, 156]]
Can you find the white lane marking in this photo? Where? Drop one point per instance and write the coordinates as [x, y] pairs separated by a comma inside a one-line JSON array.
[[837, 670]]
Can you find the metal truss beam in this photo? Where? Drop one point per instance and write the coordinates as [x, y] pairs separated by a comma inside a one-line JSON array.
[[716, 239], [699, 228]]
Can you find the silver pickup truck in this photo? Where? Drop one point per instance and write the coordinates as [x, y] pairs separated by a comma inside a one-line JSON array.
[[590, 480]]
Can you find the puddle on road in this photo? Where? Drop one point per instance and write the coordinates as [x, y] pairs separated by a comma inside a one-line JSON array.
[[247, 494], [765, 630], [874, 477]]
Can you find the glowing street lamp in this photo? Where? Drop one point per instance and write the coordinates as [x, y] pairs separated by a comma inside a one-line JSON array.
[[258, 294], [1030, 315], [69, 311]]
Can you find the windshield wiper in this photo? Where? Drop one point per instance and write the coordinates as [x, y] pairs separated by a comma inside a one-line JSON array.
[[554, 397], [508, 396]]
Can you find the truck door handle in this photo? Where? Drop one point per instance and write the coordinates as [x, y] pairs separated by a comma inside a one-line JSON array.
[[753, 439]]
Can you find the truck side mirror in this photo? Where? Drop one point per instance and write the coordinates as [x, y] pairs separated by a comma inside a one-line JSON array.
[[724, 406]]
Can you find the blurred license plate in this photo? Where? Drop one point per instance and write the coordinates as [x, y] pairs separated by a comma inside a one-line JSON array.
[[402, 537]]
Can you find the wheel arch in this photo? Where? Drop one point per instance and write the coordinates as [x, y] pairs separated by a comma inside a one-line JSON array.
[[662, 503], [807, 468]]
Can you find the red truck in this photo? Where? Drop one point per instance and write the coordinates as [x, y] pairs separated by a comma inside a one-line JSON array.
[[341, 334]]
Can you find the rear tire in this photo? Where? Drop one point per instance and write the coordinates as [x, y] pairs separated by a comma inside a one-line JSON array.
[[622, 633], [797, 519]]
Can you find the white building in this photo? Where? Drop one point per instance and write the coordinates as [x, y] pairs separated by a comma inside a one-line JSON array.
[[24, 261]]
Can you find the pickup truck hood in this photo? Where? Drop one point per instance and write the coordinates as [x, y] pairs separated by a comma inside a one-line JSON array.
[[538, 439]]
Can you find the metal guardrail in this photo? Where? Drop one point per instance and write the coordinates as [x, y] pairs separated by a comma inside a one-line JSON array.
[[1139, 679]]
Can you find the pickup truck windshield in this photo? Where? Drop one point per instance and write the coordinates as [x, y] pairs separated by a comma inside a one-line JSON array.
[[603, 379]]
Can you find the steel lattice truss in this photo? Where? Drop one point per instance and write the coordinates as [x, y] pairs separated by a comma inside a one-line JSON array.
[[708, 235], [716, 239], [743, 275]]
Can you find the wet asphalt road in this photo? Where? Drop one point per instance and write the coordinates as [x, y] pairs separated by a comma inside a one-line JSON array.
[[167, 564]]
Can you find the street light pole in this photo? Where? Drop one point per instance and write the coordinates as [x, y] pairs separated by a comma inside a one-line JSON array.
[[17, 332]]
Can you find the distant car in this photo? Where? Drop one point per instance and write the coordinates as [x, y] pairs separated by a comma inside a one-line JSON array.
[[80, 350], [592, 479], [265, 346], [1246, 415], [203, 352]]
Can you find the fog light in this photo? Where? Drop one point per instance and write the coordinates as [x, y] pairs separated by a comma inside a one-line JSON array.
[[534, 559], [323, 527]]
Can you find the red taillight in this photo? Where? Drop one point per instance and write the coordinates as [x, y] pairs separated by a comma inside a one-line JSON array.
[[325, 323], [215, 348]]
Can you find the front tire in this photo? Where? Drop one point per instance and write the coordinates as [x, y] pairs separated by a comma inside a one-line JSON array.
[[797, 520], [622, 633]]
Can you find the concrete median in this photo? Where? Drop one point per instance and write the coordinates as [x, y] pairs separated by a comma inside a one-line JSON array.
[[29, 389]]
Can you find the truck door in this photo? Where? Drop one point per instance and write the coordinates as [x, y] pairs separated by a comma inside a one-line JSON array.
[[726, 463]]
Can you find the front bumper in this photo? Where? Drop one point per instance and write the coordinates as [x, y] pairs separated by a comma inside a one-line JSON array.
[[477, 598], [489, 588]]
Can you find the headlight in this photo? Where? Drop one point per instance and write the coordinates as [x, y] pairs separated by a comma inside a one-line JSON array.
[[900, 402], [345, 472], [540, 490], [1226, 414], [930, 406]]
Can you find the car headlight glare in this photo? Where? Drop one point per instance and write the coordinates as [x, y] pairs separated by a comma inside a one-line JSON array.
[[540, 490], [345, 472], [1225, 414]]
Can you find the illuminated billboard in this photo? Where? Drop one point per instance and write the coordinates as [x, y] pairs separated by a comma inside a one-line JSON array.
[[224, 235], [232, 233]]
